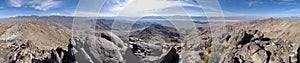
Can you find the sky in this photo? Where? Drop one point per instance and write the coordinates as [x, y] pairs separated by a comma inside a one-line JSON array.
[[277, 8]]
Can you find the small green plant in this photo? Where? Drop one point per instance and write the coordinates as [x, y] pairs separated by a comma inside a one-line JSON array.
[[209, 49], [205, 60], [285, 49], [272, 53]]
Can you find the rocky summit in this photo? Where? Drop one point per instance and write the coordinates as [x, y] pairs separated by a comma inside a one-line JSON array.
[[244, 42]]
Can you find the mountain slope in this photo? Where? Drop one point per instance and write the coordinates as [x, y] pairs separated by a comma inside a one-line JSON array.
[[169, 34], [274, 28], [43, 36]]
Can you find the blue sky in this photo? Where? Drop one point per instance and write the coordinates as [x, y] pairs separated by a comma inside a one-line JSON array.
[[277, 8], [10, 8]]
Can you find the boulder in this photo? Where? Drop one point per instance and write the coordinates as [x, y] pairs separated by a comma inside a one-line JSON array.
[[170, 57], [100, 50]]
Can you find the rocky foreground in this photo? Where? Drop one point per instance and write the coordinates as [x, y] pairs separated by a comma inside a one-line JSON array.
[[251, 42], [33, 42]]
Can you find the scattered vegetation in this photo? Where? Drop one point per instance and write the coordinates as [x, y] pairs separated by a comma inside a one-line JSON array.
[[285, 49], [272, 53], [206, 59]]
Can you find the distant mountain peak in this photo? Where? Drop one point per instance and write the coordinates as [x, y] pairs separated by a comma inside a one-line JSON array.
[[169, 34]]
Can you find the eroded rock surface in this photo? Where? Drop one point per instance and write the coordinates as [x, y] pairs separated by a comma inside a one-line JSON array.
[[105, 48], [19, 51], [259, 49], [253, 42]]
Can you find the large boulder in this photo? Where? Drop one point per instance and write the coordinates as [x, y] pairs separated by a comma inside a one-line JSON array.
[[100, 50], [103, 47]]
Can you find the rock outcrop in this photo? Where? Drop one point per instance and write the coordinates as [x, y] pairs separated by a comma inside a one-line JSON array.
[[93, 49], [254, 47], [19, 51], [254, 42], [152, 52], [170, 57], [145, 52]]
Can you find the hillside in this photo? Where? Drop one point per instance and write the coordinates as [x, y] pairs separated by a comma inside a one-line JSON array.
[[43, 36], [169, 34], [276, 28]]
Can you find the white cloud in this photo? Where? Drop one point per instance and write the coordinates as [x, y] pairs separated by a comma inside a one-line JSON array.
[[17, 3], [148, 7], [136, 8], [142, 8], [43, 5]]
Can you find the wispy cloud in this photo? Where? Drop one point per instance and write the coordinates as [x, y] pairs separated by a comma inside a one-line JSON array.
[[43, 5], [293, 10], [17, 3], [289, 3], [147, 7], [254, 2]]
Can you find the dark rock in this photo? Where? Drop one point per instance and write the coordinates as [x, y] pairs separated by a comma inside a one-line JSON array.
[[298, 55], [237, 38], [171, 57], [106, 36], [265, 39], [130, 57]]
